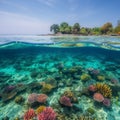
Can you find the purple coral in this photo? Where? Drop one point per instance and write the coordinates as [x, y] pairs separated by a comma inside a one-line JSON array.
[[65, 101], [114, 81], [9, 88], [106, 102], [32, 98]]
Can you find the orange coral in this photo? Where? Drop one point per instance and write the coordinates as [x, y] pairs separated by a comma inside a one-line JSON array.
[[104, 89], [40, 109], [46, 88]]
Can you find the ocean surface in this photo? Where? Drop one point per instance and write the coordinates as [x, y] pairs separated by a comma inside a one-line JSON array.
[[71, 77]]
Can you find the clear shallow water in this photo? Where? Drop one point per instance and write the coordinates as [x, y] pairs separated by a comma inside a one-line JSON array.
[[26, 66], [108, 42]]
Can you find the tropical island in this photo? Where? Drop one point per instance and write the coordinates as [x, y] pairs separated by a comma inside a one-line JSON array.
[[76, 29]]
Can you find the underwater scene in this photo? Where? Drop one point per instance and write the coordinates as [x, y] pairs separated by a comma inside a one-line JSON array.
[[59, 78]]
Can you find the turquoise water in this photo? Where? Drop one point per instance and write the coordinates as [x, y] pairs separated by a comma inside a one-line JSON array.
[[28, 63]]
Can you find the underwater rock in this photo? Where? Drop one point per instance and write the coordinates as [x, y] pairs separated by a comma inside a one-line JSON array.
[[91, 110], [87, 117], [60, 116], [9, 88], [93, 72], [111, 68], [16, 118], [60, 84], [85, 77], [101, 77], [34, 74], [19, 99], [115, 89], [110, 117], [52, 81], [58, 76], [77, 108], [9, 96], [69, 82], [34, 86], [4, 76], [114, 81], [59, 66], [5, 118]]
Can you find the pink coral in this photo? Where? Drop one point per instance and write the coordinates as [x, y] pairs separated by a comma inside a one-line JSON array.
[[29, 114], [106, 102], [65, 101], [41, 98], [32, 98], [47, 114], [92, 88], [98, 97]]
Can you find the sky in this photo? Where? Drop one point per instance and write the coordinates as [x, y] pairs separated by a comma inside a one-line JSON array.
[[36, 16]]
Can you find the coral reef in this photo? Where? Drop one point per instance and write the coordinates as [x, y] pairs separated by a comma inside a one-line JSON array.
[[9, 89], [92, 88], [30, 114], [85, 77], [41, 98], [98, 97], [101, 77], [65, 101], [47, 114], [104, 89], [106, 102], [8, 96], [19, 99], [46, 88], [32, 98], [40, 109], [70, 95]]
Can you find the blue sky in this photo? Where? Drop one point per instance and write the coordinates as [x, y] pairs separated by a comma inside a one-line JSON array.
[[36, 16]]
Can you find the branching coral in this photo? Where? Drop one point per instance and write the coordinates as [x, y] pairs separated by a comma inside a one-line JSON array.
[[104, 89], [40, 109], [29, 114], [47, 114]]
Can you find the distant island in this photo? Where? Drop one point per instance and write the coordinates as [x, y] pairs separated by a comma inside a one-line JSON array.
[[76, 29]]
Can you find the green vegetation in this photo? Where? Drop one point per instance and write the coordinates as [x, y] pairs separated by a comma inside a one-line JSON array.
[[65, 28]]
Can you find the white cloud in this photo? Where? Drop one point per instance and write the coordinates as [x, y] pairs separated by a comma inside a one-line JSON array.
[[17, 23], [49, 3]]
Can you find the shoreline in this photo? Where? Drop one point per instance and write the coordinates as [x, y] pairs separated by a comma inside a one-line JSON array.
[[74, 35]]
